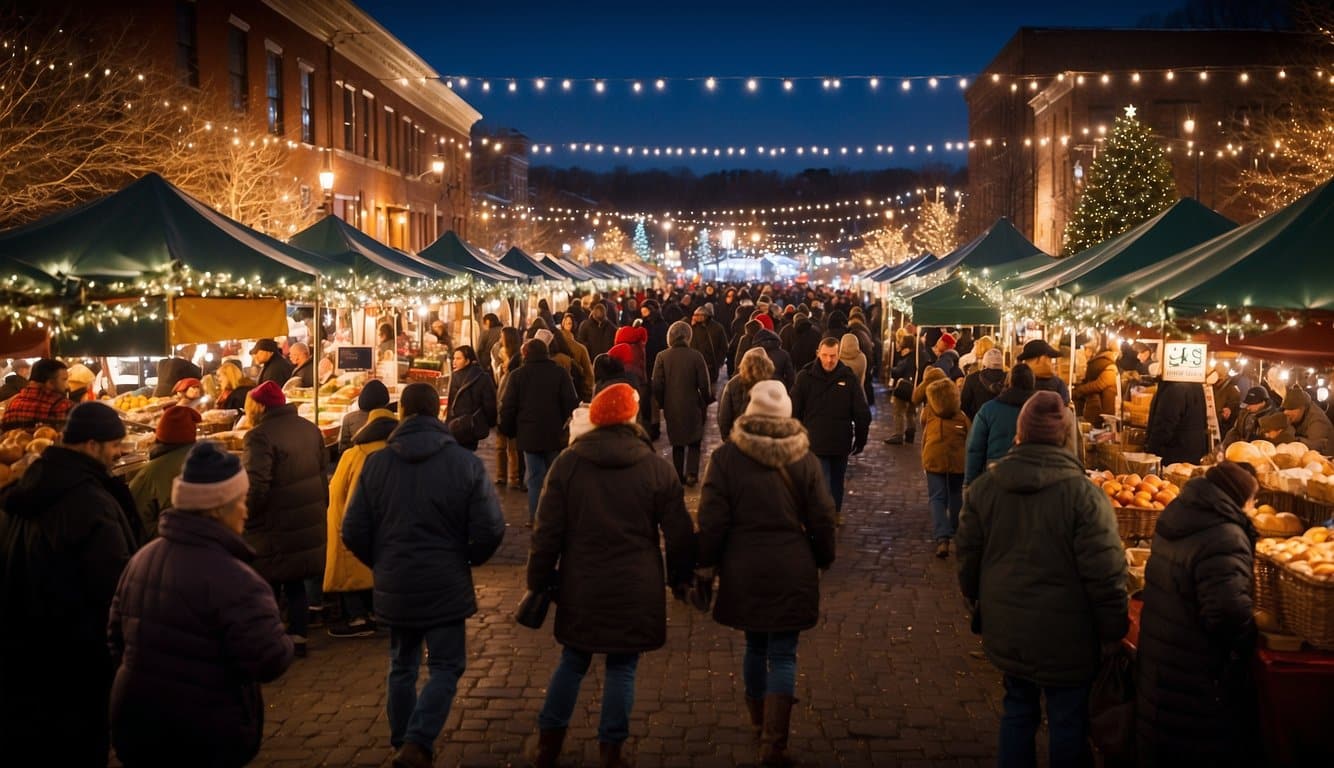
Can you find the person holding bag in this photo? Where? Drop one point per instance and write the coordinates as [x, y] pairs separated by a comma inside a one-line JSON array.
[[767, 526], [472, 399]]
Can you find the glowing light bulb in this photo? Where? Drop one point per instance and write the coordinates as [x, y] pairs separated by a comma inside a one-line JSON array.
[[711, 83]]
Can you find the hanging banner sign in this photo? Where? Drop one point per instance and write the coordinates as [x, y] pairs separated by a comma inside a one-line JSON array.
[[1185, 361]]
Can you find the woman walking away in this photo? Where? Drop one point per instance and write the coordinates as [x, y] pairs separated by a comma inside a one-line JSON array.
[[505, 358], [944, 444], [755, 367], [681, 384], [195, 630], [606, 500], [766, 525], [471, 390], [992, 434], [1197, 635]]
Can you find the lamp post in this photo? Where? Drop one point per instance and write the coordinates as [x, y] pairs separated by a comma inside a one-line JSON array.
[[327, 180], [1189, 127]]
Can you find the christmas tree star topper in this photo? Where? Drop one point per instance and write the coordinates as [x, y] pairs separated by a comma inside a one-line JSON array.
[[1130, 111]]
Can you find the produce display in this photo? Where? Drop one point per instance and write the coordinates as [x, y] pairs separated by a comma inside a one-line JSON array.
[[1270, 522], [20, 448], [1134, 491], [1310, 554]]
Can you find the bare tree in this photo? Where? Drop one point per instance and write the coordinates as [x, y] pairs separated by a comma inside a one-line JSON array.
[[937, 229]]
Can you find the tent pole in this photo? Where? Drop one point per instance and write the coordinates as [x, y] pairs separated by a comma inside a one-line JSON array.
[[316, 346]]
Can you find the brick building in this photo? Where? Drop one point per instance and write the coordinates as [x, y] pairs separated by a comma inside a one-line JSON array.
[[324, 74], [500, 166], [1039, 112]]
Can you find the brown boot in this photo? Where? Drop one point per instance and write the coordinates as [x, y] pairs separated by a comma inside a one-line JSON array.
[[777, 717], [609, 755], [549, 743], [756, 709]]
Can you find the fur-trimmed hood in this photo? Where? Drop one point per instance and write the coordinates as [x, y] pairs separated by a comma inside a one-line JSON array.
[[849, 347], [943, 397], [771, 440]]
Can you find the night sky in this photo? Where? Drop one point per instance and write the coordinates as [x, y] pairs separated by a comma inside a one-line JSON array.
[[526, 40]]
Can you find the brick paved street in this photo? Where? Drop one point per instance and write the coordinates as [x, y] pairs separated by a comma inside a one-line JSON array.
[[886, 679]]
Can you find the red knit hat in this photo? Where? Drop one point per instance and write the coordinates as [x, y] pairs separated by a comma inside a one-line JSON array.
[[947, 340], [617, 404], [624, 353], [631, 334], [177, 425], [765, 320], [185, 384], [268, 394]]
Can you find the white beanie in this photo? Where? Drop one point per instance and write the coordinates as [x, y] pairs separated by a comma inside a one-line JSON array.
[[580, 423], [544, 335], [993, 358], [769, 398]]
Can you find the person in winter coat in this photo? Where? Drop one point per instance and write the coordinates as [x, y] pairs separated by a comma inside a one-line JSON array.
[[850, 354], [287, 502], [16, 380], [67, 530], [772, 346], [581, 362], [506, 357], [992, 433], [194, 629], [490, 334], [268, 356], [345, 575], [1042, 563], [944, 448], [1195, 696], [1096, 394], [607, 500], [980, 386], [766, 523], [754, 368], [1041, 357], [948, 361], [151, 488], [597, 333], [1178, 427], [538, 399], [422, 516], [43, 400], [903, 426], [374, 394], [828, 401], [1254, 407], [805, 342], [1227, 398], [742, 343], [709, 338], [471, 389], [1310, 423], [681, 384]]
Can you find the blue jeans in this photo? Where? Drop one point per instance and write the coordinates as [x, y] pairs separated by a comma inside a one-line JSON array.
[[414, 718], [1067, 725], [618, 693], [771, 663], [946, 494], [536, 465], [835, 468], [298, 608]]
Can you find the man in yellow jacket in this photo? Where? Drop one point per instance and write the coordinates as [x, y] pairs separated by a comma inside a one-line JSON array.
[[344, 574]]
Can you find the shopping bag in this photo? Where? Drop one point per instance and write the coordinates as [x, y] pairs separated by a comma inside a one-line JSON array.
[[1112, 705]]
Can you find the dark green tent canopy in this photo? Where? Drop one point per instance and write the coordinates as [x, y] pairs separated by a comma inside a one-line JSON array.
[[517, 260], [575, 271], [906, 269], [452, 253], [953, 302], [343, 243], [148, 229], [1001, 244]]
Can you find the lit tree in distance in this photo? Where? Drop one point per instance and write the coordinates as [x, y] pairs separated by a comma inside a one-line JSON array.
[[641, 242], [613, 247], [1130, 182], [703, 250], [937, 228], [882, 246]]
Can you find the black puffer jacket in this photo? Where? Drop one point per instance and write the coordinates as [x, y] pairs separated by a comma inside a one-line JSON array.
[[831, 406], [471, 390], [805, 343], [289, 495], [765, 543], [539, 397], [1039, 551], [783, 370], [196, 631], [1197, 633], [1178, 423], [606, 498], [423, 514], [980, 387]]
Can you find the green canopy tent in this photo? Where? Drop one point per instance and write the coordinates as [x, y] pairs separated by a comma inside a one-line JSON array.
[[908, 268], [1280, 261], [452, 253], [955, 302], [340, 242], [517, 260], [1000, 244], [570, 269], [999, 252]]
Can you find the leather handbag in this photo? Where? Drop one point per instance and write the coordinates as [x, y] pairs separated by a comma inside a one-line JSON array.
[[532, 610]]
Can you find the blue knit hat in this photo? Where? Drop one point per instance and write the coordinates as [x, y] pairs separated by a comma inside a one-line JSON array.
[[212, 478]]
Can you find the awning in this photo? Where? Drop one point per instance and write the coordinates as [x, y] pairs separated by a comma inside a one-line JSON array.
[[452, 253], [367, 257], [517, 260], [954, 302]]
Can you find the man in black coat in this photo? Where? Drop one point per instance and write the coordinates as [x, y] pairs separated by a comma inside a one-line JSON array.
[[828, 400], [16, 380], [303, 366], [539, 398], [708, 338], [67, 531], [597, 333], [805, 341], [424, 513], [1178, 423], [272, 365]]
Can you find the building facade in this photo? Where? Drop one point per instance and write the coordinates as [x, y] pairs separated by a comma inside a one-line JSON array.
[[500, 166], [1042, 109], [345, 94]]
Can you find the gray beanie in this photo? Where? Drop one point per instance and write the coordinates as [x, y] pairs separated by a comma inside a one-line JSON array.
[[678, 331]]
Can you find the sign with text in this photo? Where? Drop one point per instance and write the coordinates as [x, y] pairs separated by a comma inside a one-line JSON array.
[[354, 358], [1185, 361]]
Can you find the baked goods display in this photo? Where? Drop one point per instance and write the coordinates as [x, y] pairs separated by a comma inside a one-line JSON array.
[[20, 447], [1268, 521], [1134, 491], [1310, 554]]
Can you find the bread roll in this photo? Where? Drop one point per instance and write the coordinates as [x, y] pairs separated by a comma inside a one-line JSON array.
[[1288, 523], [38, 445], [47, 433]]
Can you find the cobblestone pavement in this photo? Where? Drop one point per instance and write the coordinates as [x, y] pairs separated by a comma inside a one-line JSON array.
[[890, 677]]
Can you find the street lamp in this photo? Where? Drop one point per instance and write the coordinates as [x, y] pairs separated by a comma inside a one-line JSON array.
[[1189, 127], [666, 241], [327, 180]]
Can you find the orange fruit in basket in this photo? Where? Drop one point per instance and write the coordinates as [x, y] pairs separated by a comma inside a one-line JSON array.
[[1125, 497], [1158, 505], [1171, 487], [1116, 504], [1153, 480], [1163, 497], [1132, 479], [1112, 487], [1146, 487]]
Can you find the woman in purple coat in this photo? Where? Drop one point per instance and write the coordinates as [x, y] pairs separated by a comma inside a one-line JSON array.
[[194, 629]]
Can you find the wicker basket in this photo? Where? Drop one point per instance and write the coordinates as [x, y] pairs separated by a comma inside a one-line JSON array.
[[1179, 479], [1134, 523], [1266, 586], [1321, 492], [1311, 511], [1307, 607]]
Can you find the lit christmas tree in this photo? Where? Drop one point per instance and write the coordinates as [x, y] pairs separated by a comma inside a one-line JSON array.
[[703, 251], [612, 247], [937, 228], [641, 242], [1129, 183], [883, 246]]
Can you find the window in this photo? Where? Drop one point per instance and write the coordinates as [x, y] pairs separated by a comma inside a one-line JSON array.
[[367, 124], [349, 118], [307, 104], [238, 74], [406, 145], [187, 43], [389, 126], [274, 72]]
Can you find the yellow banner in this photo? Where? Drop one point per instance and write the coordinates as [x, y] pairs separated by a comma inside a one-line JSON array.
[[200, 320]]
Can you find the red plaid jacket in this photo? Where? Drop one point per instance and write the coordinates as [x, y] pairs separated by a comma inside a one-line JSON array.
[[33, 405]]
